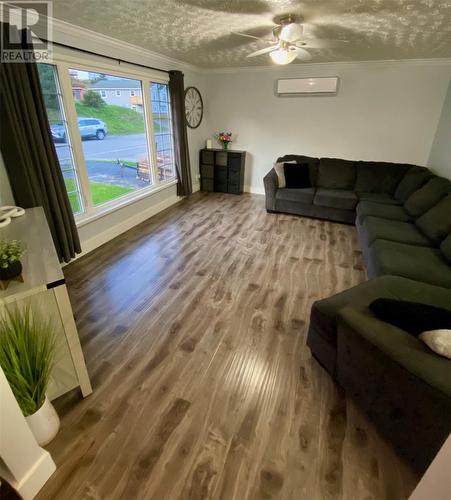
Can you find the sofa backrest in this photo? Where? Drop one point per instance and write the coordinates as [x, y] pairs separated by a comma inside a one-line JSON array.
[[436, 222], [427, 196], [334, 173], [304, 160], [399, 179], [379, 177], [414, 179]]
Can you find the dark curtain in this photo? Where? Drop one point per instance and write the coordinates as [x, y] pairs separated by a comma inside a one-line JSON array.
[[30, 156], [181, 151]]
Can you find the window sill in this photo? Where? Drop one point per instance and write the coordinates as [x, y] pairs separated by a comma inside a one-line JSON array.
[[103, 211]]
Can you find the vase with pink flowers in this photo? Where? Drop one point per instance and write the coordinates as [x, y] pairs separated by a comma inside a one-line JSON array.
[[225, 138]]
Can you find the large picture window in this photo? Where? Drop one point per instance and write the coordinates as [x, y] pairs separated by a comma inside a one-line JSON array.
[[117, 141]]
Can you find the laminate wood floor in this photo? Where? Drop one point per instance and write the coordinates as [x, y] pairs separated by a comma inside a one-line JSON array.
[[193, 326]]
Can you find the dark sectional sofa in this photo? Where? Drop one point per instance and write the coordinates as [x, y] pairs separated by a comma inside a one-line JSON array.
[[403, 219]]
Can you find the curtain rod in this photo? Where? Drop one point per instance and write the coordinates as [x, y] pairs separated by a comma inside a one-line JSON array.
[[107, 57]]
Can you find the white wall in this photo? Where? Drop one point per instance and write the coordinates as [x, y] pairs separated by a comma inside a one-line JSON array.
[[6, 197], [440, 157], [383, 111]]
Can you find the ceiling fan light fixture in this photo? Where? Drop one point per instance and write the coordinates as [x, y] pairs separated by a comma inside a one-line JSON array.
[[283, 56], [291, 32]]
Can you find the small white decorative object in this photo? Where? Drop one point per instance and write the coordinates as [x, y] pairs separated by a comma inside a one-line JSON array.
[[9, 212], [439, 341], [44, 423], [208, 144]]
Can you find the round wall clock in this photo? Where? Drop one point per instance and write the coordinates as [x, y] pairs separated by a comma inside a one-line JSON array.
[[194, 107]]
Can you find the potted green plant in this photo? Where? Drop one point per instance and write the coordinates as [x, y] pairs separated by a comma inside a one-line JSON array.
[[10, 254], [27, 354]]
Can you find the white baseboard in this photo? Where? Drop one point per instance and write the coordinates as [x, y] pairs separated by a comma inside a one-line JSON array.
[[98, 240], [30, 485], [254, 189]]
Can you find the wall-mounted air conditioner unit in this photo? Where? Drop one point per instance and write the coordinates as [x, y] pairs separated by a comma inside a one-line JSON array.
[[289, 87]]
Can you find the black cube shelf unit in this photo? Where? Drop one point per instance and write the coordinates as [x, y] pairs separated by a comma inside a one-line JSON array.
[[222, 170]]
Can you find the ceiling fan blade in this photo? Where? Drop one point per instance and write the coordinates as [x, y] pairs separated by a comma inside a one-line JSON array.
[[302, 54], [253, 37], [266, 50], [291, 32], [319, 43]]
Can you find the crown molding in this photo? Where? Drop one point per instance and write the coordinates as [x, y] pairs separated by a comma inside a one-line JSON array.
[[78, 37], [297, 67]]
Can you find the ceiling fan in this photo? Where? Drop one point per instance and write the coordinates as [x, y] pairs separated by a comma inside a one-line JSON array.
[[289, 42]]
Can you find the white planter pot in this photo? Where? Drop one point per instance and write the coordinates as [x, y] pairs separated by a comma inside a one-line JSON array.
[[44, 423]]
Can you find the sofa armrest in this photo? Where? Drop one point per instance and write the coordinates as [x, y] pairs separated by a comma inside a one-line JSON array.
[[271, 184]]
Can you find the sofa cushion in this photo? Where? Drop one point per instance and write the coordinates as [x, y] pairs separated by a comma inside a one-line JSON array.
[[403, 387], [379, 177], [404, 349], [382, 210], [312, 164], [379, 198], [300, 195], [415, 262], [334, 173], [374, 228], [427, 196], [445, 247], [335, 198], [436, 222], [323, 321], [297, 175], [415, 178]]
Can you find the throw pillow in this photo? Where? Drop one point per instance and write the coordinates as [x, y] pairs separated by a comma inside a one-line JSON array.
[[278, 167], [438, 341], [413, 317], [297, 176]]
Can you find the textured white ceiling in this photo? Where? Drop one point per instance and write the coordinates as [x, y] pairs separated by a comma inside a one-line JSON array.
[[199, 31]]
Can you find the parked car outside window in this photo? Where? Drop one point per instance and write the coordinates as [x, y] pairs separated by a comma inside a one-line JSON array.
[[88, 127]]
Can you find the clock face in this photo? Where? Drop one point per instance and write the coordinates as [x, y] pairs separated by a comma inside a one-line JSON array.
[[194, 107]]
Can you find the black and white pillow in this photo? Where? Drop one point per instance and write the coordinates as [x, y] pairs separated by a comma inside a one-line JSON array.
[[280, 171]]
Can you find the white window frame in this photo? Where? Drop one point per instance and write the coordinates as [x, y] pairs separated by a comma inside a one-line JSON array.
[[103, 93], [63, 63], [132, 93], [117, 93]]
